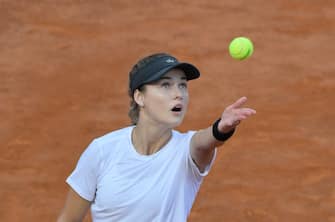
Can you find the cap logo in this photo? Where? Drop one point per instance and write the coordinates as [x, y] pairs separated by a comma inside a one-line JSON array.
[[170, 60]]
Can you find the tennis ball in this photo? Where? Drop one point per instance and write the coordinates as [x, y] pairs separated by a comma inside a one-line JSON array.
[[241, 48]]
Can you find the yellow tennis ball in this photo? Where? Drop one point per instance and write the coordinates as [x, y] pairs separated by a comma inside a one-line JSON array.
[[241, 48]]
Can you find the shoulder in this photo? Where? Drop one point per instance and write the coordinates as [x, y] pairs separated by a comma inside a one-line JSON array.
[[106, 148], [183, 136], [112, 142], [114, 136]]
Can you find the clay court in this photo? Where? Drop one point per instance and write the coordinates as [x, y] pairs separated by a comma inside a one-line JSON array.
[[64, 69]]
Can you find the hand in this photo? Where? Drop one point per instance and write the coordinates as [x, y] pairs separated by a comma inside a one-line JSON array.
[[234, 114]]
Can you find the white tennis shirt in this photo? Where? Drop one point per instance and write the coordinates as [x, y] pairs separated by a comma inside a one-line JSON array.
[[126, 186]]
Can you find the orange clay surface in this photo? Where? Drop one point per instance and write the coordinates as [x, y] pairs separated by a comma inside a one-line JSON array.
[[63, 82]]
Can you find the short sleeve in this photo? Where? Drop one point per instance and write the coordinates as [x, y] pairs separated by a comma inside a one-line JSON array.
[[83, 180], [195, 170]]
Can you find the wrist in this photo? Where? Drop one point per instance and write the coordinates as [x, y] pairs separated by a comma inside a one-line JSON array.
[[220, 135]]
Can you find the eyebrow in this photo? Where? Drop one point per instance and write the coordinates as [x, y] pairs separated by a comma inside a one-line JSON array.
[[167, 77]]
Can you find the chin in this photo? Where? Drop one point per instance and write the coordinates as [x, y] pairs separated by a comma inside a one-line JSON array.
[[176, 122]]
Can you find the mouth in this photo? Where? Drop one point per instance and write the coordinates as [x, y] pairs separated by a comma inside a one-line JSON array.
[[177, 109]]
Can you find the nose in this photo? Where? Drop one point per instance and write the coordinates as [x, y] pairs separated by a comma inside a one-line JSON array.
[[178, 93]]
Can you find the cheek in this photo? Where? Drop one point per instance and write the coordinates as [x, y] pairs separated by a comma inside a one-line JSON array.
[[186, 98], [156, 99]]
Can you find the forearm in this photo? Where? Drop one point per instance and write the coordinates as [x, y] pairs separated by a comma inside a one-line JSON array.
[[212, 136], [203, 146], [204, 141]]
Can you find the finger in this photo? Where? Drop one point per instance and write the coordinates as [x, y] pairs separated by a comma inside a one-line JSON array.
[[248, 111], [243, 111], [243, 116], [239, 102]]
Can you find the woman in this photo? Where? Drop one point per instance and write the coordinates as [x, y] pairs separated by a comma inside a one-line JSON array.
[[148, 171]]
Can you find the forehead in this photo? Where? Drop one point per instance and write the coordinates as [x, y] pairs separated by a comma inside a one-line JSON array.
[[175, 73]]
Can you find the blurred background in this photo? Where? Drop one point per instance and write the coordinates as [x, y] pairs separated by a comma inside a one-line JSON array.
[[64, 70]]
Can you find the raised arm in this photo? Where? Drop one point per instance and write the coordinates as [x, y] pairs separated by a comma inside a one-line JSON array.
[[75, 208], [203, 142]]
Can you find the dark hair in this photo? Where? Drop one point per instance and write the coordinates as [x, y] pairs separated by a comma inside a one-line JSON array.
[[134, 109]]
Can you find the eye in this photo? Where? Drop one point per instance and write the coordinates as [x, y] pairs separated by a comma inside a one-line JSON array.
[[165, 84], [183, 85]]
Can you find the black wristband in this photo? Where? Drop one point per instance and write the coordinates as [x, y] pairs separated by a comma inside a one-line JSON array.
[[221, 136]]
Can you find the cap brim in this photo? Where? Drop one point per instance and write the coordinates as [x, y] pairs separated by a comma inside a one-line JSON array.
[[190, 71]]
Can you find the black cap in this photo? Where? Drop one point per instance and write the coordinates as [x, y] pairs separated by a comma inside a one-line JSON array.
[[159, 66]]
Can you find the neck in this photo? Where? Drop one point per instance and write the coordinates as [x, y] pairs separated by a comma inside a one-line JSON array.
[[148, 140]]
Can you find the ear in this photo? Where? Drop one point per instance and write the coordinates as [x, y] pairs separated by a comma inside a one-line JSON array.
[[139, 97]]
